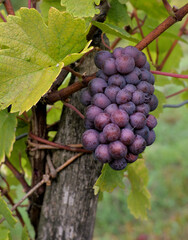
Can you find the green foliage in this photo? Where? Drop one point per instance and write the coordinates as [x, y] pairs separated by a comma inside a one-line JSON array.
[[34, 54], [83, 8], [47, 4], [139, 197], [7, 133], [108, 180], [6, 213], [114, 30]]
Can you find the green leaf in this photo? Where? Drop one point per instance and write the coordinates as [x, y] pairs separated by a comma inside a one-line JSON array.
[[7, 133], [6, 213], [108, 180], [83, 8], [118, 15], [25, 235], [4, 233], [33, 54], [114, 30], [161, 98], [150, 8], [47, 4], [139, 198]]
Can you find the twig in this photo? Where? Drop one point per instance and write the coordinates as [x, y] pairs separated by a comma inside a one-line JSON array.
[[17, 174], [103, 42], [29, 3], [2, 17], [168, 8], [77, 74], [68, 162], [60, 146], [181, 32], [176, 93], [46, 179], [74, 109], [175, 105], [170, 74], [168, 22], [6, 182], [5, 193], [9, 7], [142, 34], [115, 42]]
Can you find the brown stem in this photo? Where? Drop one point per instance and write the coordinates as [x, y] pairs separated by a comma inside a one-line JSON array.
[[9, 7], [77, 74], [168, 8], [5, 193], [2, 17], [181, 32], [168, 22], [17, 174], [74, 109], [60, 146], [176, 93], [103, 42], [115, 42], [142, 33]]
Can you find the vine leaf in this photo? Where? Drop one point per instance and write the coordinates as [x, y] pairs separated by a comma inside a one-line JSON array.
[[6, 213], [8, 124], [33, 53], [84, 8], [109, 179], [45, 5], [114, 30], [139, 198]]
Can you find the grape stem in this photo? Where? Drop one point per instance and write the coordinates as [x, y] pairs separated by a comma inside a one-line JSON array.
[[175, 105], [2, 17], [29, 3], [168, 8], [9, 8], [176, 93], [74, 109], [170, 74]]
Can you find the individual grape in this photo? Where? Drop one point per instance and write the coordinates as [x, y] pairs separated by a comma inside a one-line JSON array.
[[118, 164], [102, 153], [117, 52], [120, 117], [132, 78], [145, 87], [143, 132], [138, 72], [138, 97], [130, 158], [102, 138], [111, 132], [117, 150], [127, 136], [101, 120], [123, 96], [111, 108], [92, 111], [147, 66], [109, 67], [138, 120], [85, 97], [100, 57], [138, 146], [100, 100], [88, 124], [111, 92], [151, 121], [100, 74], [153, 103], [97, 85], [128, 107], [125, 64], [90, 139], [147, 98], [131, 51], [117, 80], [151, 138], [130, 87], [145, 75], [140, 60], [151, 79], [143, 108]]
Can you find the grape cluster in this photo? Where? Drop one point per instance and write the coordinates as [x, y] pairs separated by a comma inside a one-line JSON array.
[[118, 100]]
